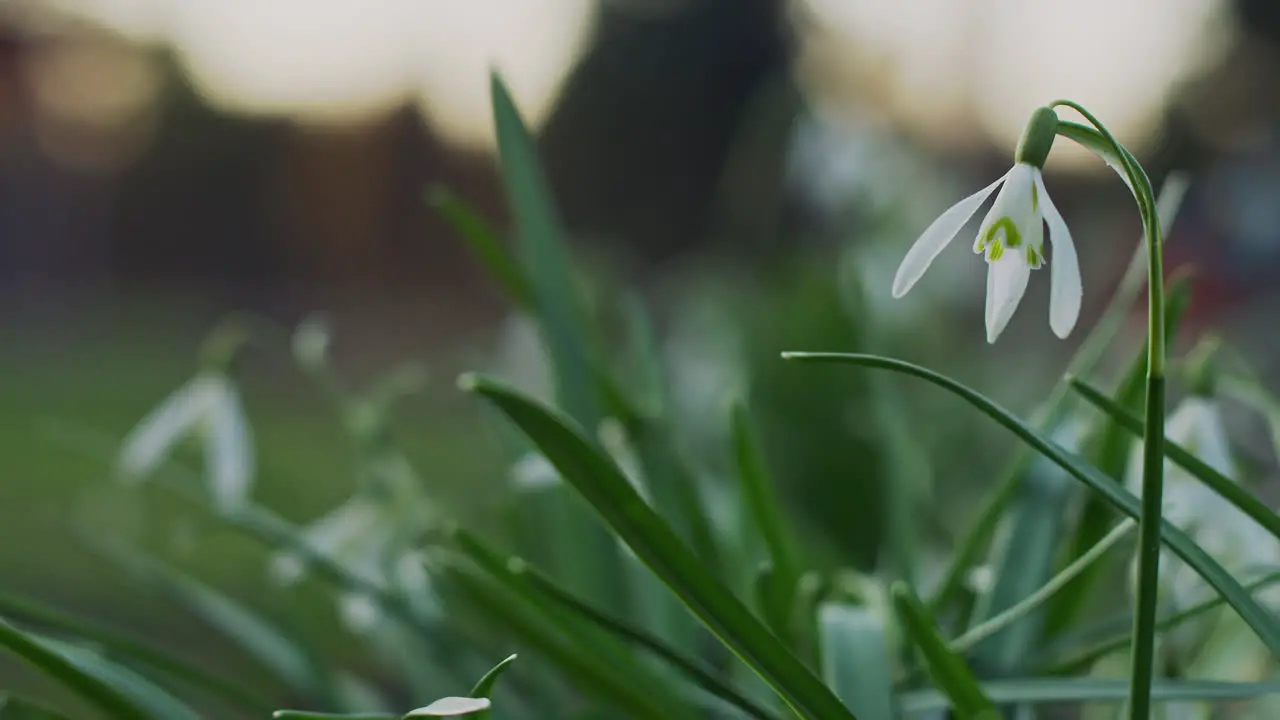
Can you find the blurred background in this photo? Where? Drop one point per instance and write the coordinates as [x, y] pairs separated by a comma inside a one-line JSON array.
[[753, 169]]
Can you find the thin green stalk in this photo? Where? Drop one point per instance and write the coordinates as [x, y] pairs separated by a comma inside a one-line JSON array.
[[998, 622], [1142, 667]]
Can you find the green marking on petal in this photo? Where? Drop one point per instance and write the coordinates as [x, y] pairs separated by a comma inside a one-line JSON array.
[[1035, 257], [1035, 197], [1004, 230]]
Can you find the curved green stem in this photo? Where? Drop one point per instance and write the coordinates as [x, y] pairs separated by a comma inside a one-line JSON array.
[[1142, 667]]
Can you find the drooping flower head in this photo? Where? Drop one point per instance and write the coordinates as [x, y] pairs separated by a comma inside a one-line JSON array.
[[1011, 238]]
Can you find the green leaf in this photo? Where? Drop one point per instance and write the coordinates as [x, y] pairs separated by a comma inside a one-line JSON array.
[[621, 629], [1077, 690], [485, 243], [547, 634], [1262, 622], [1079, 659], [603, 485], [15, 708], [585, 557], [306, 715], [948, 670], [253, 633], [855, 658], [1242, 499], [121, 647], [116, 691], [765, 510], [484, 688]]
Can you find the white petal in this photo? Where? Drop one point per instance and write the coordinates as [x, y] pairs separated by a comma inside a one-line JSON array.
[[1006, 283], [1065, 289], [936, 237], [332, 537], [451, 707], [228, 447], [150, 441]]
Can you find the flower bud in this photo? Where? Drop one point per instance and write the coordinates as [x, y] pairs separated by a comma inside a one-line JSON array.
[[1037, 138]]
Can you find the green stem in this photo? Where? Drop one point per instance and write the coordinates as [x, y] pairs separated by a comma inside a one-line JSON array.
[[982, 631], [1142, 667]]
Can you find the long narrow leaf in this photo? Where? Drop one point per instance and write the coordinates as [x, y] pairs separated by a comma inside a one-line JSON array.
[[1080, 659], [484, 241], [1232, 492], [99, 691], [618, 627], [546, 635], [585, 557], [1258, 618], [16, 708], [1063, 690], [644, 531], [965, 698], [121, 647], [253, 633], [766, 513]]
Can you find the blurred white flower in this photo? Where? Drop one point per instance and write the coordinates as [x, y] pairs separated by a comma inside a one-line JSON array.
[[533, 472], [208, 408], [371, 538], [1012, 239], [1218, 646]]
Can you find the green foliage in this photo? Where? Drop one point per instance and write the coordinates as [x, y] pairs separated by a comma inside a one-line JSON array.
[[693, 571]]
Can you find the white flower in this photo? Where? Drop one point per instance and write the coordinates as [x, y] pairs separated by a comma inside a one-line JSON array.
[[209, 408], [1012, 238]]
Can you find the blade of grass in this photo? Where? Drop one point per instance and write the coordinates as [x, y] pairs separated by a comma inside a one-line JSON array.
[[604, 647], [16, 708], [122, 648], [996, 623], [648, 535], [1081, 659], [1262, 621], [545, 634], [256, 635], [485, 243], [1078, 690], [702, 677], [586, 557], [1232, 492], [965, 697], [81, 676], [765, 510]]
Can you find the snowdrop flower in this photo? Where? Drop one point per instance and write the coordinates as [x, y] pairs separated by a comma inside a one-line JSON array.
[[207, 407], [1011, 238], [1243, 546], [370, 538]]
